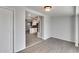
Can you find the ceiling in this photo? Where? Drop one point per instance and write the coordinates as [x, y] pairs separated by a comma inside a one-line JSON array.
[[56, 10]]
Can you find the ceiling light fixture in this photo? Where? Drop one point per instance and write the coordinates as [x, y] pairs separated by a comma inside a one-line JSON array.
[[47, 8]]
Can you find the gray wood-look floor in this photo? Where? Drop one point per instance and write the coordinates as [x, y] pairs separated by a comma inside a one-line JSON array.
[[52, 45], [31, 39]]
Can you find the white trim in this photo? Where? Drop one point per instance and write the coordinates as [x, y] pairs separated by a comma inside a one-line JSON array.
[[76, 27], [35, 12], [33, 44]]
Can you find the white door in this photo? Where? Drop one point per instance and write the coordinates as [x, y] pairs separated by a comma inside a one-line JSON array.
[[6, 28]]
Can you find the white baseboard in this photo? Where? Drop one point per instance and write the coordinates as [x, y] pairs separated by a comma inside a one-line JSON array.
[[19, 50], [33, 44], [45, 38], [64, 39]]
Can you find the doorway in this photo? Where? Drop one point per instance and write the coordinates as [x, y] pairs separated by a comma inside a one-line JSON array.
[[32, 29]]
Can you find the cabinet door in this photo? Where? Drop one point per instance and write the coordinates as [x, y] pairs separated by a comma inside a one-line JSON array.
[[6, 29]]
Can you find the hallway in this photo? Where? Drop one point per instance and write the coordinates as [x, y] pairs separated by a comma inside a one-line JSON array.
[[52, 45], [32, 39]]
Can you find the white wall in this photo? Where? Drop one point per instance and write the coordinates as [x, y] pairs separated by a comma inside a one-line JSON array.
[[47, 27], [19, 28], [63, 28], [6, 30]]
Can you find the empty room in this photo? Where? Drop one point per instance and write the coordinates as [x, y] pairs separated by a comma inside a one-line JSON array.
[[39, 29]]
